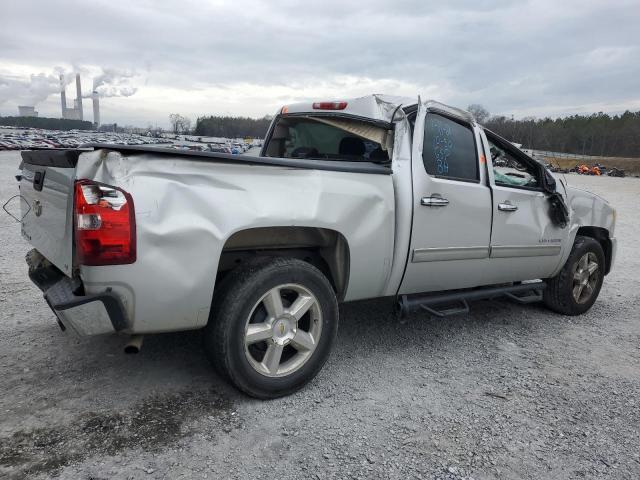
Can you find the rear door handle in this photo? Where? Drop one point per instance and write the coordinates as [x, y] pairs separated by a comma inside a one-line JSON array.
[[38, 180], [507, 207], [434, 201]]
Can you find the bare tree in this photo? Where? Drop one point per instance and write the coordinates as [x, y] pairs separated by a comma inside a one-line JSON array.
[[179, 123], [480, 113], [186, 125], [174, 120]]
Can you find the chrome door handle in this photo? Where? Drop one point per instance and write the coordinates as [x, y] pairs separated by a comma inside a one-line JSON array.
[[507, 207], [434, 201]]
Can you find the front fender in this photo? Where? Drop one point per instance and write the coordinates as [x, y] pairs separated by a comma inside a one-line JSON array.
[[587, 209]]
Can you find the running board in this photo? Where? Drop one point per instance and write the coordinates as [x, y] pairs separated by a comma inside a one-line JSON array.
[[521, 293]]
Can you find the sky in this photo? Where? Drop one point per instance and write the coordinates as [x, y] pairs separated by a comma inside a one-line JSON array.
[[248, 57]]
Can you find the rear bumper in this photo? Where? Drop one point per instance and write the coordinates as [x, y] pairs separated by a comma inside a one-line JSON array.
[[84, 314]]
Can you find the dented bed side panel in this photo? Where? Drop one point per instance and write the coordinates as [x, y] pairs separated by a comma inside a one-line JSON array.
[[186, 210]]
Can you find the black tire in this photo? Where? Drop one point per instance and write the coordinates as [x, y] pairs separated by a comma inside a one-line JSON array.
[[559, 294], [233, 304]]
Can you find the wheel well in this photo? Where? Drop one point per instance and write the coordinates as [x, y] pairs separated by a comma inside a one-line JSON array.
[[325, 249], [601, 235]]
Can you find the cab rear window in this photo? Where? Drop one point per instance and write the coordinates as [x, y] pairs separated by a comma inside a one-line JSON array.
[[328, 138]]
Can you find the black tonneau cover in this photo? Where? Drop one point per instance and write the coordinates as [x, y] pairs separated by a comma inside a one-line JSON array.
[[53, 157], [69, 158]]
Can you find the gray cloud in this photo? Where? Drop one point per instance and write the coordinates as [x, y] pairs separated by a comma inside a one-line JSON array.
[[520, 57], [32, 91]]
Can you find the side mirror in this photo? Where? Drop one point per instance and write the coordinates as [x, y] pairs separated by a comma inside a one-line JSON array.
[[548, 182]]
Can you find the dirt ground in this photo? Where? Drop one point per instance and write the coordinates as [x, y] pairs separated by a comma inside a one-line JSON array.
[[631, 166], [507, 391]]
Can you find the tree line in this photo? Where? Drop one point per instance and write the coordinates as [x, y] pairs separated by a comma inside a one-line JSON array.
[[232, 127], [46, 123], [598, 134]]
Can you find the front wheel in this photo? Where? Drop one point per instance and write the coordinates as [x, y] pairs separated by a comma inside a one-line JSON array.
[[576, 287], [272, 326]]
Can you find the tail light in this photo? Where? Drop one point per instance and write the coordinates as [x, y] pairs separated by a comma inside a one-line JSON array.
[[329, 105], [105, 225]]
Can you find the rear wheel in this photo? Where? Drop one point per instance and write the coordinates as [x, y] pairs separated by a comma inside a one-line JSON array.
[[272, 326], [575, 289]]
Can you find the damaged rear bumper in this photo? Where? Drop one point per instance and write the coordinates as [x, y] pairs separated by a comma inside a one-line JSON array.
[[84, 314]]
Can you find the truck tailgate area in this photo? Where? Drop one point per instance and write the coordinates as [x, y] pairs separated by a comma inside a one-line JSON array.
[[46, 188]]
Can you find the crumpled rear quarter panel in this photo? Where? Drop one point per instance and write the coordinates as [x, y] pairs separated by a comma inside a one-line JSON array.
[[187, 209]]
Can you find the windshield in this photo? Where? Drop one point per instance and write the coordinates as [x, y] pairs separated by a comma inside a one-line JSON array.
[[328, 138]]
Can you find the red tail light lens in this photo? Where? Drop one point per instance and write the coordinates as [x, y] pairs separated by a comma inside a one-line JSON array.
[[105, 225], [329, 105]]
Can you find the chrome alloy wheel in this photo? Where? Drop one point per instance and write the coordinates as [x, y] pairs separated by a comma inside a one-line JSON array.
[[585, 277], [282, 330]]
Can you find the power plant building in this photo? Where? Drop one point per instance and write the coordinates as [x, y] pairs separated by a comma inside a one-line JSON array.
[[27, 111]]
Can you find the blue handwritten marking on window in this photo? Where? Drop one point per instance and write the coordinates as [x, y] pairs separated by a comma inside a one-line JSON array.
[[442, 146]]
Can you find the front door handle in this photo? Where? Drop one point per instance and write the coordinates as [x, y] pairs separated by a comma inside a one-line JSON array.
[[507, 207], [434, 201]]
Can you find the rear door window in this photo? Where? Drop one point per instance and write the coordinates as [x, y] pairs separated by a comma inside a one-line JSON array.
[[449, 149]]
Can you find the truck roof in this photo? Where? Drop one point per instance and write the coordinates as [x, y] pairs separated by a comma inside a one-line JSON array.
[[378, 107]]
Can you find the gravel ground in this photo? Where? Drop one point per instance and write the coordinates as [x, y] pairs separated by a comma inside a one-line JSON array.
[[505, 392]]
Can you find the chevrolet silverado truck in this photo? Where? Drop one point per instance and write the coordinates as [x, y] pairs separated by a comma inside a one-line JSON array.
[[370, 197]]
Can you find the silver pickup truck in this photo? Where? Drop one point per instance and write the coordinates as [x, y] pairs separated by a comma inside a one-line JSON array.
[[370, 197]]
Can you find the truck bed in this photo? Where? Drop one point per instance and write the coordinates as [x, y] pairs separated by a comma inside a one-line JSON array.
[[308, 164], [189, 205]]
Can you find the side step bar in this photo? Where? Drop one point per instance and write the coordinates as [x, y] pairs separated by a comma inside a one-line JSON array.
[[521, 293]]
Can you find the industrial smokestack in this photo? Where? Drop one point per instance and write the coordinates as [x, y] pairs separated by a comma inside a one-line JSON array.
[[96, 109], [63, 96], [78, 104]]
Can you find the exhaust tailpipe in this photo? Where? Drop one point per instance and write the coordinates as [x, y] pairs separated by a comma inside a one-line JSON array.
[[134, 344]]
